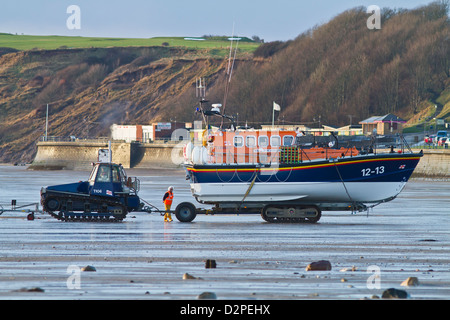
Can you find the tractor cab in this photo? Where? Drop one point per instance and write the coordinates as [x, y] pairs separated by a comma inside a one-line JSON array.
[[109, 179]]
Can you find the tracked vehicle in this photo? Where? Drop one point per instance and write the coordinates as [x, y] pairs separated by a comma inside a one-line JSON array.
[[108, 195]]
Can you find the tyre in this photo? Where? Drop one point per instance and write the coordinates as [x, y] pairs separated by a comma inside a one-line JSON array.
[[52, 204], [185, 212]]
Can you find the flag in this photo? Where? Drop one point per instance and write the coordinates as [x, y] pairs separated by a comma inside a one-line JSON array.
[[276, 106]]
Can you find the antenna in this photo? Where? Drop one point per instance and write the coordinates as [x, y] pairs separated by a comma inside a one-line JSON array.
[[229, 70], [200, 92], [231, 50], [200, 88]]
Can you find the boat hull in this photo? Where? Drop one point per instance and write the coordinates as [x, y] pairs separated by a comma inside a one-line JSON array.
[[359, 179]]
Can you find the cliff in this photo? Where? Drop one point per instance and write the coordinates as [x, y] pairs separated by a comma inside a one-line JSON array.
[[337, 70]]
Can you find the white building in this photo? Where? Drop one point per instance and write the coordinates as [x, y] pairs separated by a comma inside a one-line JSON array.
[[130, 133]]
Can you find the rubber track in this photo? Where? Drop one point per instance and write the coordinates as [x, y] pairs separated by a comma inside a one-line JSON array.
[[81, 216], [289, 219]]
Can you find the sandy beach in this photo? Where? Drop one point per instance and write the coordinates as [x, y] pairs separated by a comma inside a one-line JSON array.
[[145, 258]]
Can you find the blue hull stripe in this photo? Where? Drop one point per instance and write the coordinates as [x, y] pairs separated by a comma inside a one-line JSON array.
[[384, 168]]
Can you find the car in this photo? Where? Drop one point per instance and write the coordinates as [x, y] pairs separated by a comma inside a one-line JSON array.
[[440, 134], [443, 141], [429, 139]]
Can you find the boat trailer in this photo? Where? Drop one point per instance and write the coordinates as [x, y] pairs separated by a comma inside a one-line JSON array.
[[21, 208]]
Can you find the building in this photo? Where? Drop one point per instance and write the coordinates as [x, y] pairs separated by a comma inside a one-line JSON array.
[[350, 130], [170, 131], [150, 133], [131, 133], [384, 125]]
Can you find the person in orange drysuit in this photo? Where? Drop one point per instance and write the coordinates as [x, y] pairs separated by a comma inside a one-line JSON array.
[[168, 199]]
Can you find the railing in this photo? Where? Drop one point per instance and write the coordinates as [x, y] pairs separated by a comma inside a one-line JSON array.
[[106, 139], [72, 139], [432, 146]]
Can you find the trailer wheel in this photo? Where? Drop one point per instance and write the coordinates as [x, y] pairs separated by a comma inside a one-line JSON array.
[[185, 212]]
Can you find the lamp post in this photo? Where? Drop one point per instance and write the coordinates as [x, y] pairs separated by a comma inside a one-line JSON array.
[[46, 124]]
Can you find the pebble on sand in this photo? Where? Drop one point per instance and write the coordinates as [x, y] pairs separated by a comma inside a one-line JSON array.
[[410, 282], [207, 296], [322, 265], [187, 276], [33, 289], [88, 268], [393, 293]]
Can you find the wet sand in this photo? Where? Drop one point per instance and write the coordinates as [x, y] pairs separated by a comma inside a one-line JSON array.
[[145, 258]]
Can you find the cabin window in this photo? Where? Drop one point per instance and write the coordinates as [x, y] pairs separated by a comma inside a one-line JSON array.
[[288, 140], [275, 141], [93, 174], [238, 141], [116, 174], [103, 174], [250, 141], [263, 141]]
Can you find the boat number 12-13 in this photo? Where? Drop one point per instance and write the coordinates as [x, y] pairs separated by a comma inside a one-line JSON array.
[[367, 172]]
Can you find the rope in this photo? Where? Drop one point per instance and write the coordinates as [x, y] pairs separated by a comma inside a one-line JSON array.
[[345, 187], [248, 191]]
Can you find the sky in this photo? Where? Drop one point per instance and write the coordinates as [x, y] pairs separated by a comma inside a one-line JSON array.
[[268, 19]]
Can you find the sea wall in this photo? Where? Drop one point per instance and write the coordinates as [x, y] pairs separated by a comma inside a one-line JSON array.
[[77, 155], [162, 155], [435, 163]]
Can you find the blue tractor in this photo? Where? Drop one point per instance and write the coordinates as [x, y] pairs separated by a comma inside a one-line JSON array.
[[108, 195]]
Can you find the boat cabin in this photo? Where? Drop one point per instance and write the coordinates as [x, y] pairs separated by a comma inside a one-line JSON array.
[[260, 147]]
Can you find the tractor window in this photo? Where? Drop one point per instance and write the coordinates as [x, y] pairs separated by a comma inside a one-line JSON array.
[[93, 174], [123, 175], [103, 174], [116, 174]]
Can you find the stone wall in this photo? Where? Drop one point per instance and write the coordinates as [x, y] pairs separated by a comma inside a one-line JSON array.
[[164, 155], [77, 155], [434, 164]]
